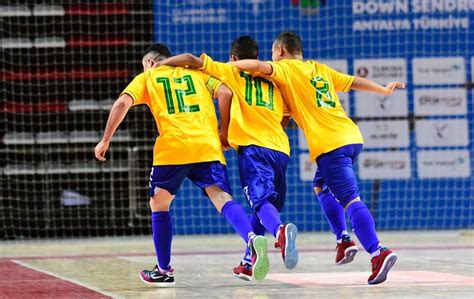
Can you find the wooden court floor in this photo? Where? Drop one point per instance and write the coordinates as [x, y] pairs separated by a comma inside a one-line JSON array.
[[435, 264]]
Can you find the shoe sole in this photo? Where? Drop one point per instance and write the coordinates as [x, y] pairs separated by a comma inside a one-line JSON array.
[[291, 253], [388, 263], [158, 284], [261, 264], [243, 277], [349, 255]]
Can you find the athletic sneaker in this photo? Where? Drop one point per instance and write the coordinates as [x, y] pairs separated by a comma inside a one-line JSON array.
[[157, 278], [381, 264], [345, 251], [260, 262], [287, 244], [243, 271]]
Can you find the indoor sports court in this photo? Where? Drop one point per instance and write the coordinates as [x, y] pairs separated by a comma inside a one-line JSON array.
[[75, 213]]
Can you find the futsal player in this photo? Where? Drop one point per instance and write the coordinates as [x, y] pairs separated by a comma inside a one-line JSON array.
[[255, 131], [180, 100], [334, 141]]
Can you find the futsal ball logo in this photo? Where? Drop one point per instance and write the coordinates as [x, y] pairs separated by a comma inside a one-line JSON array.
[[309, 7]]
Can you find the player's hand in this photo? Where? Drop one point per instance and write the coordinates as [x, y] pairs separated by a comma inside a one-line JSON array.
[[100, 150], [391, 86], [224, 142], [155, 64]]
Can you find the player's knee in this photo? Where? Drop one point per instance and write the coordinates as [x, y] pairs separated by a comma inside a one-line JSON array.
[[351, 202], [218, 197], [318, 190], [161, 201]]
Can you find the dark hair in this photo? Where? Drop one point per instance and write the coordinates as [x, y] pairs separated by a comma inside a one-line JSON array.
[[244, 47], [159, 51], [290, 41]]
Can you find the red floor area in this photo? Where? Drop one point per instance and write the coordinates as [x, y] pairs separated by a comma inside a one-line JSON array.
[[21, 282]]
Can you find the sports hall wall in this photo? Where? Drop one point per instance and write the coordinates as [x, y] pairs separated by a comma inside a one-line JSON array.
[[63, 63]]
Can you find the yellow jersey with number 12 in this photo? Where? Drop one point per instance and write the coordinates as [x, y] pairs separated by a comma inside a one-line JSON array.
[[309, 88], [180, 100], [257, 107]]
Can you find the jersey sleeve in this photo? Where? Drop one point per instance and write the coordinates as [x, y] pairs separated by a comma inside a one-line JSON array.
[[280, 72], [137, 90], [342, 82], [215, 68], [212, 85]]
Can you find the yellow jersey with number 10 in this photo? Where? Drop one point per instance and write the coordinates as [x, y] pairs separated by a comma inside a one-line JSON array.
[[310, 90], [181, 102], [257, 107]]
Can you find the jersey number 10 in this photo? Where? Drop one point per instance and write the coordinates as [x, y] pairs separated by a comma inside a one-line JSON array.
[[250, 83], [180, 93]]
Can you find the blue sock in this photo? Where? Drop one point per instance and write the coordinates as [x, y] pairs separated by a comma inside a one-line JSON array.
[[364, 226], [334, 213], [162, 235], [258, 229], [235, 215], [270, 217]]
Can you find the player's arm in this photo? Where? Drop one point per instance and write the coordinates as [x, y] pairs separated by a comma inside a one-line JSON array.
[[187, 60], [224, 97], [362, 84], [117, 114], [254, 66]]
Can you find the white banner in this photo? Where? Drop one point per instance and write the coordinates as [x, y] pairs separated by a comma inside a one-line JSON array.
[[384, 165], [451, 132], [371, 104], [381, 71], [307, 168], [443, 164], [341, 66], [302, 144], [385, 134], [442, 70], [440, 101]]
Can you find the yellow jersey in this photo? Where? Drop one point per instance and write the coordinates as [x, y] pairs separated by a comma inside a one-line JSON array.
[[180, 100], [257, 107], [309, 89]]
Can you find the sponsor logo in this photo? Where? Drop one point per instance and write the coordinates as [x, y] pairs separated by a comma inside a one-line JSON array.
[[443, 164], [388, 164], [381, 72], [433, 100], [439, 70]]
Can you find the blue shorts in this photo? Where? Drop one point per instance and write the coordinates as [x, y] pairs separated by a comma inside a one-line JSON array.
[[263, 175], [336, 173], [205, 174]]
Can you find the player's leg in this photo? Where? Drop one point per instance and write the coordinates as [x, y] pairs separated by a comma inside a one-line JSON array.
[[261, 171], [212, 178], [336, 216], [336, 169], [164, 182]]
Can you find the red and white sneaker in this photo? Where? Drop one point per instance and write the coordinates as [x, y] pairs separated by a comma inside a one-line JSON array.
[[287, 244], [381, 264], [345, 251], [243, 271]]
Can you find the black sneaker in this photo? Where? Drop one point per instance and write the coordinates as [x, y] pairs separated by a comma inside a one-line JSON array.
[[157, 278]]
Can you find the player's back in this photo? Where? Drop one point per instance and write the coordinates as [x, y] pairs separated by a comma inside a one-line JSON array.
[[310, 90], [182, 106], [257, 108]]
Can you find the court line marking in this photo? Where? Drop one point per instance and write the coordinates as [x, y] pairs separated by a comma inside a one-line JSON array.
[[105, 293], [218, 252]]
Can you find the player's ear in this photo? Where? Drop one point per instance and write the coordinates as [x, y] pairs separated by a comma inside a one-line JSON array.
[[233, 57]]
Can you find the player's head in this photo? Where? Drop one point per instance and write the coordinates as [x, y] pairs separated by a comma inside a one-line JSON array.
[[287, 45], [243, 47], [153, 54]]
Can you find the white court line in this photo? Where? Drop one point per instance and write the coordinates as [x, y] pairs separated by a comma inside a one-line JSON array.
[[67, 279]]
